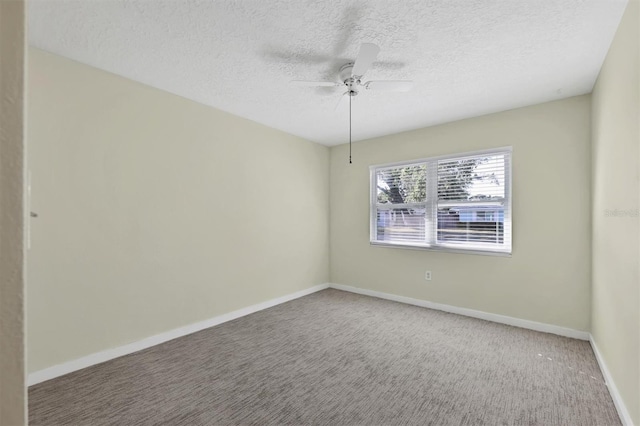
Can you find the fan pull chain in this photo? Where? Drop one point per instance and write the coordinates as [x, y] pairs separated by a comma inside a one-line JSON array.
[[349, 127]]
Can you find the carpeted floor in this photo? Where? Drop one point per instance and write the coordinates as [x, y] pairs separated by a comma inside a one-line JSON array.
[[336, 358]]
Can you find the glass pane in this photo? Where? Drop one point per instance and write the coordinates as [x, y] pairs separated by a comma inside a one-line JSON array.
[[476, 178], [402, 185], [471, 224], [401, 225]]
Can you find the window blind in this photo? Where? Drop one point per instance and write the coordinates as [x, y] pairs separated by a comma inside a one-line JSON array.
[[459, 202], [401, 203]]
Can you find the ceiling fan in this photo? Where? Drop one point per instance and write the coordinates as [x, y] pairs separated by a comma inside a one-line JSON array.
[[351, 75]]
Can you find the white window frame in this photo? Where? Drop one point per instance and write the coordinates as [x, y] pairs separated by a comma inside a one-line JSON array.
[[504, 249]]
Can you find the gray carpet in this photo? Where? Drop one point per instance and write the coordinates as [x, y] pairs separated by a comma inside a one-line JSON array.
[[336, 358]]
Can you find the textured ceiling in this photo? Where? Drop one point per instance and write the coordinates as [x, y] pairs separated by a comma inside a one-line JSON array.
[[467, 57]]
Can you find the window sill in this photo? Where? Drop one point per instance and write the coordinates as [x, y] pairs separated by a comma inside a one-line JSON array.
[[444, 249]]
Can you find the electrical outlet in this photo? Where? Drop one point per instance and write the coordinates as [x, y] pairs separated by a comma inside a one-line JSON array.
[[427, 275]]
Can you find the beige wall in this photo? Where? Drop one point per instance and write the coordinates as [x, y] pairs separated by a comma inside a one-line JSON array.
[[548, 277], [157, 212], [616, 238], [12, 372]]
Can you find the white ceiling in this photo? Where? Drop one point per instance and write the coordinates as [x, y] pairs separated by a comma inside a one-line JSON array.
[[467, 57]]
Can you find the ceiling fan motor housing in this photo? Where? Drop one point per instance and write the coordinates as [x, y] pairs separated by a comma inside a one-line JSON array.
[[345, 71], [349, 80]]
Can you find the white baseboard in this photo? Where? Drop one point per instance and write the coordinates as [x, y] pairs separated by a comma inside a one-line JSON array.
[[502, 319], [625, 417], [109, 354]]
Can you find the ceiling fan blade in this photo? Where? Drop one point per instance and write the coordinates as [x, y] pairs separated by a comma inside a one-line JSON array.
[[368, 53], [314, 83], [343, 102], [389, 85]]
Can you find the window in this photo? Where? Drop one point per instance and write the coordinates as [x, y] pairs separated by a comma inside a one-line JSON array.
[[454, 203]]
